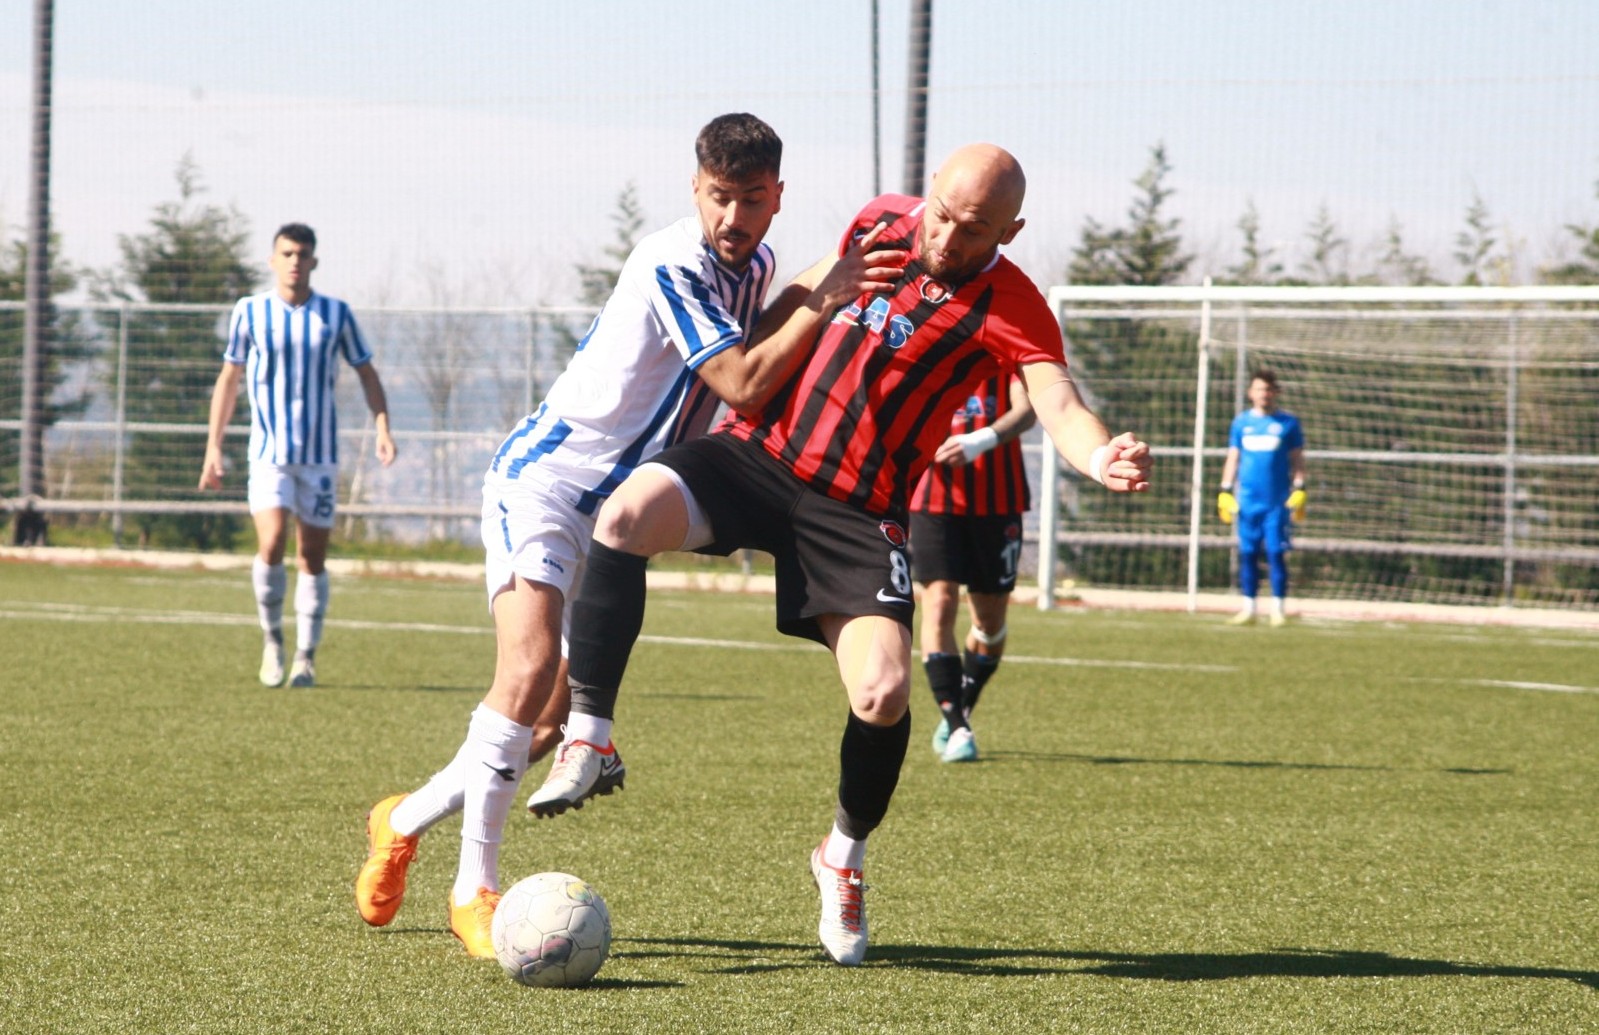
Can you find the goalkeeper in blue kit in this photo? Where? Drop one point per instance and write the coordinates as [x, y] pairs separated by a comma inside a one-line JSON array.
[[1262, 492]]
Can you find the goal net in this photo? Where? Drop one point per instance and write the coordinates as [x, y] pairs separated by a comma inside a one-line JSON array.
[[1452, 449]]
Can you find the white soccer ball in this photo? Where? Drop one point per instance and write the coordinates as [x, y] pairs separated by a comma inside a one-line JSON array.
[[552, 930]]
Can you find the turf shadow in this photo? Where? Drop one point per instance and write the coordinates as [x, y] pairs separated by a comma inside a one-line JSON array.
[[756, 956], [1182, 966], [1225, 763]]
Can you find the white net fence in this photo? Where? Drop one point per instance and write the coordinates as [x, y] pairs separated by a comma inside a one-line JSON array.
[[131, 386], [1452, 445], [1452, 434]]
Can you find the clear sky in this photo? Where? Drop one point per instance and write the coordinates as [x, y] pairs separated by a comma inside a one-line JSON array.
[[474, 151]]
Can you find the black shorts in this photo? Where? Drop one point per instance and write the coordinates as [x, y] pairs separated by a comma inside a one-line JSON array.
[[832, 558], [979, 552]]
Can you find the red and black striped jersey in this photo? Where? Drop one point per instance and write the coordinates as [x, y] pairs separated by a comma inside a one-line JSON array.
[[994, 483], [862, 419]]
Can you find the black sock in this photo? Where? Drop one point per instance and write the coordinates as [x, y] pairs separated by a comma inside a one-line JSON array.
[[869, 760], [607, 614], [976, 670], [944, 676]]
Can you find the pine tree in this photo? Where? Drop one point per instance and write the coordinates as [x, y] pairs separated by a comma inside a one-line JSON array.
[[1125, 365], [192, 253], [627, 223], [1329, 249], [1585, 268], [1474, 246], [1148, 250], [1397, 266], [1258, 266]]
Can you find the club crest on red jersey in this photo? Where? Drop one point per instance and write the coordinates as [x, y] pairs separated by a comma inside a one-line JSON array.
[[933, 291], [894, 532]]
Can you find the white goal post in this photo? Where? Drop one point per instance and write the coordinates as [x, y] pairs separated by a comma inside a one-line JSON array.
[[1452, 438]]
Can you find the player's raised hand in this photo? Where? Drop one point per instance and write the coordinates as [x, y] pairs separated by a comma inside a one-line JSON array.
[[863, 269], [1127, 464]]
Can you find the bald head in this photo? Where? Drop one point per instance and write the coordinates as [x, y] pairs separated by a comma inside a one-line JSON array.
[[972, 209], [985, 176]]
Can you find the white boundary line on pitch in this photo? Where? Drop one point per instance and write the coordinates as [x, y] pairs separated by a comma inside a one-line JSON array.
[[1518, 684], [1217, 602], [55, 612]]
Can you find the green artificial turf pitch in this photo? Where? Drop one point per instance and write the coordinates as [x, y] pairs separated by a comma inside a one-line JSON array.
[[1175, 826]]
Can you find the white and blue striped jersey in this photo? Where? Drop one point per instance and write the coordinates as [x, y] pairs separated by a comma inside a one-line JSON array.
[[290, 355], [632, 387]]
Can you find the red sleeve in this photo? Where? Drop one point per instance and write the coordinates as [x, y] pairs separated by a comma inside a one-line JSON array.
[[890, 207], [1021, 328]]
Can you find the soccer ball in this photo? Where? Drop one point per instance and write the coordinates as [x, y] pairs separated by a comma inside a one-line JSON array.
[[552, 930]]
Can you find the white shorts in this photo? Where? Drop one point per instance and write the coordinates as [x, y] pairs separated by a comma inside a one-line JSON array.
[[308, 491], [529, 531]]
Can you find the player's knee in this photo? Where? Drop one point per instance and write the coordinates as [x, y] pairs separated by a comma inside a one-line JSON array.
[[641, 520], [881, 698]]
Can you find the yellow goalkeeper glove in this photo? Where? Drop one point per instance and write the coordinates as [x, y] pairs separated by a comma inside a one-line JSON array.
[[1226, 506], [1296, 504]]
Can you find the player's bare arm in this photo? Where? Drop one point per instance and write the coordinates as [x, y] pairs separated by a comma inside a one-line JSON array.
[[1078, 433], [962, 449], [378, 402], [224, 396], [747, 378]]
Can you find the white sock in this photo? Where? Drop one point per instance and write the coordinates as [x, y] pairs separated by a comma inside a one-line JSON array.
[[310, 605], [498, 749], [271, 582], [590, 728], [1249, 605], [441, 796], [842, 852], [1277, 606]]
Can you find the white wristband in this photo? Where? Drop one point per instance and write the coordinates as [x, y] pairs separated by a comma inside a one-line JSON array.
[[975, 443], [1096, 464]]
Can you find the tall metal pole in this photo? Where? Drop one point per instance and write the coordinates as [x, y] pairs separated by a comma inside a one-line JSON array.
[[36, 319], [921, 40], [877, 107]]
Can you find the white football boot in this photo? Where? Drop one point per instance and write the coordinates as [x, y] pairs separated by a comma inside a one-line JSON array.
[[581, 771], [272, 664], [843, 926]]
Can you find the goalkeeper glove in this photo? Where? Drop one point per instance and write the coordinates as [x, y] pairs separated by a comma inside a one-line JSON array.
[[1296, 504], [1226, 506]]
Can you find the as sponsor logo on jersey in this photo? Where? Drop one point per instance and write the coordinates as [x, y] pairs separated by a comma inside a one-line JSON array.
[[892, 328], [980, 406], [894, 532], [1257, 443]]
